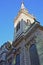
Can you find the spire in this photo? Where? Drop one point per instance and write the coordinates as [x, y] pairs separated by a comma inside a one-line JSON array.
[[22, 6]]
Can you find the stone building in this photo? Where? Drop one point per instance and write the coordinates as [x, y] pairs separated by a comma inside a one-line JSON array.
[[27, 46]]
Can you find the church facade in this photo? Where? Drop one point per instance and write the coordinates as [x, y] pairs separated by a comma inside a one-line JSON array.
[[27, 46]]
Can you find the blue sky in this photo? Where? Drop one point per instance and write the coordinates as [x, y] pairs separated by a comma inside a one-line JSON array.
[[9, 10]]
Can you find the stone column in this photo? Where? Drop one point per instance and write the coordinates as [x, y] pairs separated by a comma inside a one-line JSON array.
[[26, 56], [22, 57]]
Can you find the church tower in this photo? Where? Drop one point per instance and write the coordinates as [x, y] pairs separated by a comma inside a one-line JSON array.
[[27, 46], [28, 39], [22, 22]]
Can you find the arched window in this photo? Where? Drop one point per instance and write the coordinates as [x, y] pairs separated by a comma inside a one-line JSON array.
[[18, 27], [18, 59], [28, 22], [34, 55], [22, 20]]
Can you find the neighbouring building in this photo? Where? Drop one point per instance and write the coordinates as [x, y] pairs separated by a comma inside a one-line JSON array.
[[27, 45]]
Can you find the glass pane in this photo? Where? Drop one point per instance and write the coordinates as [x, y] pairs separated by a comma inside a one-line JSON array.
[[33, 55]]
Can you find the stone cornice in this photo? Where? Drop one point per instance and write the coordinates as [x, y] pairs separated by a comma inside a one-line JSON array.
[[41, 27], [24, 12], [30, 42], [26, 35], [17, 41]]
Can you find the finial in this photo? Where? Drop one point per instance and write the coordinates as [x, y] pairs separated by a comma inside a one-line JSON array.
[[22, 5]]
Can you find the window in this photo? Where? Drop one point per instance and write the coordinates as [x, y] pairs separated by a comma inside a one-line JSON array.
[[28, 22], [34, 55], [18, 59], [18, 27], [22, 20]]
